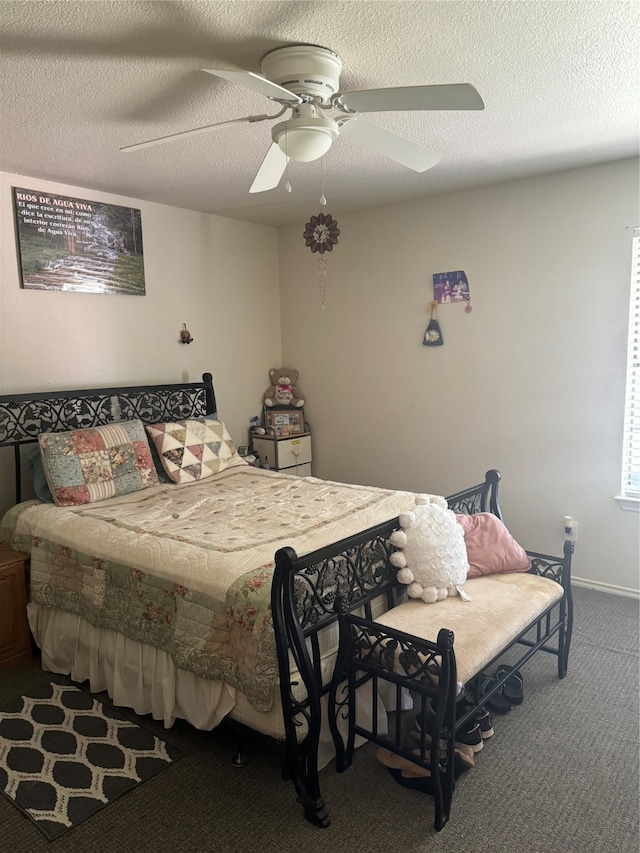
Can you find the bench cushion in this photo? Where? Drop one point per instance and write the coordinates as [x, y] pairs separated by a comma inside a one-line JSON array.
[[501, 608]]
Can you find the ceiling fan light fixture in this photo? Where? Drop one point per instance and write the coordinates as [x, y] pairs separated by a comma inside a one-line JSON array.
[[305, 139], [305, 144]]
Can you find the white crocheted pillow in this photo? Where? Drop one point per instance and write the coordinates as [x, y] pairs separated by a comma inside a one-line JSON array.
[[432, 557]]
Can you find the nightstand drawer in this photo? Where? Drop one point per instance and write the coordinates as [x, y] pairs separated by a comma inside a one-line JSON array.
[[294, 451], [283, 452]]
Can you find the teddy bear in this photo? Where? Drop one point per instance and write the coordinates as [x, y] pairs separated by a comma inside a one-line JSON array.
[[431, 556], [283, 391]]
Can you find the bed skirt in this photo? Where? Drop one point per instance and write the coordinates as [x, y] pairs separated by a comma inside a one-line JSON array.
[[138, 676]]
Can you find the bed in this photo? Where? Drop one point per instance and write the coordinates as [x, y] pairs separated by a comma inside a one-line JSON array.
[[162, 596]]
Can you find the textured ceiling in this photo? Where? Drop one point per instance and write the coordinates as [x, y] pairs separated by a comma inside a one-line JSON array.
[[560, 81]]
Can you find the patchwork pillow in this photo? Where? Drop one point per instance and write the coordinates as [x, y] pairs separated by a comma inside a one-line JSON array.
[[491, 549], [88, 465], [194, 448]]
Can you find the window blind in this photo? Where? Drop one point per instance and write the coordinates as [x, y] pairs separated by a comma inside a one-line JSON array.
[[631, 442]]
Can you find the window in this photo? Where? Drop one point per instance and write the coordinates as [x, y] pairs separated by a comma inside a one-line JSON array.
[[630, 491]]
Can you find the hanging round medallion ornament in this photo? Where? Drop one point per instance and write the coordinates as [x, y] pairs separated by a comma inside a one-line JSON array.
[[321, 235]]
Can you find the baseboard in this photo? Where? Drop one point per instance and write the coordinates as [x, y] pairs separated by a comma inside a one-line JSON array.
[[606, 587]]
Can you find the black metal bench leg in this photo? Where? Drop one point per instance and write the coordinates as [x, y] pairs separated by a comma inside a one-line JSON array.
[[564, 642]]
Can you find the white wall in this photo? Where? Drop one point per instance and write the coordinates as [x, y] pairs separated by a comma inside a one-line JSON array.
[[531, 382], [217, 275]]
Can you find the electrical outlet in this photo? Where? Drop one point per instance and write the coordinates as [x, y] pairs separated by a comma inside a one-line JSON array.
[[570, 529]]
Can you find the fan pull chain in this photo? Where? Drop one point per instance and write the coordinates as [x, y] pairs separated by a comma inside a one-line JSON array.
[[287, 186], [323, 199]]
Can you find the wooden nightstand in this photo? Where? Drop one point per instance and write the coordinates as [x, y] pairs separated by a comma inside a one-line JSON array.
[[15, 637]]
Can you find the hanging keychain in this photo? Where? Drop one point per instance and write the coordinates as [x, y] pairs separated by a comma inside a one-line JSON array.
[[433, 333]]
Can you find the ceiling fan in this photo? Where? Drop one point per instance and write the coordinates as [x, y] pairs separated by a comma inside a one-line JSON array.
[[305, 79]]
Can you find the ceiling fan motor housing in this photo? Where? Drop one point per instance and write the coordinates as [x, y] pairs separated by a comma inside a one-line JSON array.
[[306, 136], [304, 69]]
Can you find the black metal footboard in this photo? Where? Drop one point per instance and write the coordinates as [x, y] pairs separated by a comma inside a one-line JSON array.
[[303, 597]]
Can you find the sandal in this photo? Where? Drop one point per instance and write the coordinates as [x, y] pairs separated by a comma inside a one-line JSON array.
[[465, 755], [464, 759], [416, 783], [397, 762], [498, 703], [425, 783], [513, 688]]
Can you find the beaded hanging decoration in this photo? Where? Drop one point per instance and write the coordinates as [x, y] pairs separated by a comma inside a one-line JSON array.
[[321, 235]]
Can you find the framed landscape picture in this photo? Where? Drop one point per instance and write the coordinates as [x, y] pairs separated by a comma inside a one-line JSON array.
[[76, 245]]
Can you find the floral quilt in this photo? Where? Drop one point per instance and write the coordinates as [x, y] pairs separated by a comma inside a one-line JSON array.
[[187, 568]]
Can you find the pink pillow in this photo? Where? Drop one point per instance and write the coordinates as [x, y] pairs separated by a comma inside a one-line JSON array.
[[491, 549]]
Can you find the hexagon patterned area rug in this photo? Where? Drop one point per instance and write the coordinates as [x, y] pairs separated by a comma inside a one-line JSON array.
[[64, 755]]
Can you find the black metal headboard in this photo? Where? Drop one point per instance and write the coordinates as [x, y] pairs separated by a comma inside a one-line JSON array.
[[24, 416]]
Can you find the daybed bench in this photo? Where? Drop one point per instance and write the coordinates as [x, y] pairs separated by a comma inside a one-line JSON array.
[[440, 651], [169, 598]]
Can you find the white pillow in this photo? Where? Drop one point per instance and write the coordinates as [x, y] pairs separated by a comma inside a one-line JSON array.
[[433, 557]]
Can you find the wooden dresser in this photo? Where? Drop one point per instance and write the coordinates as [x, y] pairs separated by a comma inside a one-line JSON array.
[[15, 637]]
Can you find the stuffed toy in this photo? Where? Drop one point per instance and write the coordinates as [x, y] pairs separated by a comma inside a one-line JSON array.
[[283, 391], [432, 556], [255, 428]]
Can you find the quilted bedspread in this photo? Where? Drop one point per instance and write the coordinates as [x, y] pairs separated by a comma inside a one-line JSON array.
[[187, 568]]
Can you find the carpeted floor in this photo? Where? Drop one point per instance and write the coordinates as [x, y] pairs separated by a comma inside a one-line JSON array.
[[560, 774]]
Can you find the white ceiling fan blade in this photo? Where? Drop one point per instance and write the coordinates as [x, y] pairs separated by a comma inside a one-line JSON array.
[[271, 170], [454, 96], [257, 83], [184, 133], [390, 145]]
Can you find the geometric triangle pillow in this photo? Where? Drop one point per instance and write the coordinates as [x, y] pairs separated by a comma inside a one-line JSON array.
[[193, 449]]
